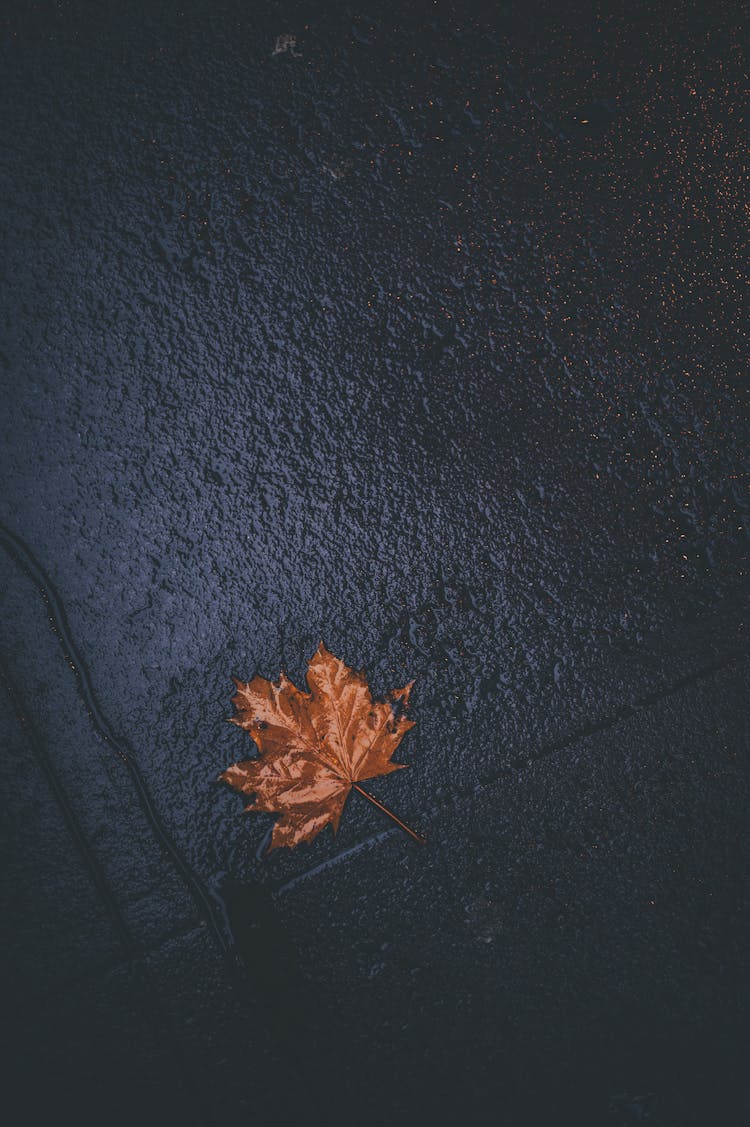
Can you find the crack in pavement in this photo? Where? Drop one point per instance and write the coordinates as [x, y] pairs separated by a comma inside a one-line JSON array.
[[96, 872], [134, 951], [210, 903], [23, 557]]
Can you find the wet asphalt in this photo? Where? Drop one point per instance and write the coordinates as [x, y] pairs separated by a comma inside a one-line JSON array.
[[417, 329]]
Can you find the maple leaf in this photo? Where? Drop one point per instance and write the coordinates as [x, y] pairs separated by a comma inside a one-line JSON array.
[[315, 747]]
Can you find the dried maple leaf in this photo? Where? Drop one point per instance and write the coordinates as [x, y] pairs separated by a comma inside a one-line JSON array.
[[315, 747]]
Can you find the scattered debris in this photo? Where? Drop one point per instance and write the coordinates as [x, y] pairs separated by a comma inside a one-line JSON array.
[[286, 43], [337, 169]]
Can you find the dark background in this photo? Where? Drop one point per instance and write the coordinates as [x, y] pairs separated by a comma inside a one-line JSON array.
[[424, 338]]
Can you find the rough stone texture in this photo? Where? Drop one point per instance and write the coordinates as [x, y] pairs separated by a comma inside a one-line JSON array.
[[423, 337]]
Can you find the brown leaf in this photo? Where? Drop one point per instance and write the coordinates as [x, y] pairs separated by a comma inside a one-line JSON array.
[[315, 746]]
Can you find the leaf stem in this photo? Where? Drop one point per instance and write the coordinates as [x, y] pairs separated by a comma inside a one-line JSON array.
[[412, 833]]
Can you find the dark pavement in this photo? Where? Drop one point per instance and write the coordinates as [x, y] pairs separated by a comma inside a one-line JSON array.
[[421, 335]]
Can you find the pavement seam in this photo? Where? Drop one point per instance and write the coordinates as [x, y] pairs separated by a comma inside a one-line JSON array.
[[136, 954], [625, 713], [72, 822], [23, 557]]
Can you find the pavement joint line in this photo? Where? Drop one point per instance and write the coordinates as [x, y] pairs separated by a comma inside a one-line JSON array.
[[331, 862], [80, 839], [625, 713], [25, 560], [132, 947], [136, 955]]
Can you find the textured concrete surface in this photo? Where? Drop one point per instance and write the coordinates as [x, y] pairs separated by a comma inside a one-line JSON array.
[[421, 335]]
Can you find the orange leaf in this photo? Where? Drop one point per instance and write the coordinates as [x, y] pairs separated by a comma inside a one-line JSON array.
[[314, 747]]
